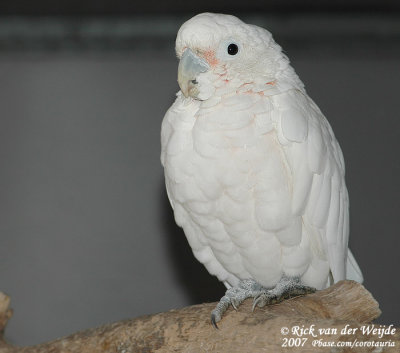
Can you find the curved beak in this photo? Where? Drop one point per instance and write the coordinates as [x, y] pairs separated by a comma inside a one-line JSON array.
[[190, 66]]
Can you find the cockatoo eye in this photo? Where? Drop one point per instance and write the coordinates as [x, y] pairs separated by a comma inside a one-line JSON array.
[[228, 49], [232, 49]]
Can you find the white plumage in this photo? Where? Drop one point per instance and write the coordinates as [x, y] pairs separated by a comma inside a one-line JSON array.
[[252, 168]]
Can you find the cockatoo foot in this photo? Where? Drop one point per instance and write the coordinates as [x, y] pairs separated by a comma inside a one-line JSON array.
[[248, 288], [287, 287]]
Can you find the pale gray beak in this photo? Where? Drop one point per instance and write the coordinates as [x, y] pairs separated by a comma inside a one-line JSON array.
[[189, 68]]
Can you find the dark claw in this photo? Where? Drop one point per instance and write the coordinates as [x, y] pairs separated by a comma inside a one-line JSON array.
[[255, 302], [234, 304], [214, 323]]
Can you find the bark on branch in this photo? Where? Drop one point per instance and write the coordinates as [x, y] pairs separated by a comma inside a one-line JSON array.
[[189, 329]]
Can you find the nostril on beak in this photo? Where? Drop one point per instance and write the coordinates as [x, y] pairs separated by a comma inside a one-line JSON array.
[[190, 66]]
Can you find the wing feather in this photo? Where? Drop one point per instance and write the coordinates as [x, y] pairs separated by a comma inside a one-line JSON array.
[[316, 164]]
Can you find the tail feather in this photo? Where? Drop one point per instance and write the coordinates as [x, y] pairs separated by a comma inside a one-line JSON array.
[[353, 271]]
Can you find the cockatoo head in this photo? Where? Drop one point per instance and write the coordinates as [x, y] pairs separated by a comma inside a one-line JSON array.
[[220, 53]]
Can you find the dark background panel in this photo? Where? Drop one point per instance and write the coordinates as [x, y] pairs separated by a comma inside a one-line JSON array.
[[129, 7]]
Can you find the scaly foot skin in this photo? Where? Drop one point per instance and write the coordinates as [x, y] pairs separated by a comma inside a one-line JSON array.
[[234, 296], [287, 287]]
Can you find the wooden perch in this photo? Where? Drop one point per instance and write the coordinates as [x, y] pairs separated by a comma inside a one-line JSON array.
[[264, 330]]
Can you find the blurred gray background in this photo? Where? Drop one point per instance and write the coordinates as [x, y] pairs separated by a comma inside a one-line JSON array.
[[86, 232]]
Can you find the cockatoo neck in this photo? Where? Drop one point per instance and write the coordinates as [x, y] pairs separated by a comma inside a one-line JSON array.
[[220, 83]]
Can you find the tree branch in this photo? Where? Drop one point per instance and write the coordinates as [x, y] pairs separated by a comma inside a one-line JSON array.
[[189, 329]]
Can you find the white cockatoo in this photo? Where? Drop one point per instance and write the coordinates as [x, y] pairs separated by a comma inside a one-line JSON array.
[[252, 168]]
